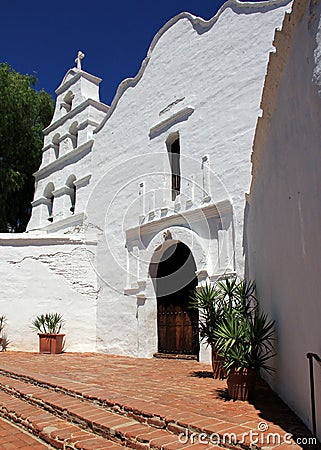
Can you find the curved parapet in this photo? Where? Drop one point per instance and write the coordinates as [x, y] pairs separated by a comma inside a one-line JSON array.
[[200, 26]]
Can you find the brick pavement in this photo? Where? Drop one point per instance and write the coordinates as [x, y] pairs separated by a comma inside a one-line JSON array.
[[140, 403], [13, 438]]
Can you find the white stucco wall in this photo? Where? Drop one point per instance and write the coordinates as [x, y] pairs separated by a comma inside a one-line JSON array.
[[43, 275], [202, 81], [284, 219]]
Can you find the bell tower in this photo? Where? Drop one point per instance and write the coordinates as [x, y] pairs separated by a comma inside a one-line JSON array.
[[62, 183]]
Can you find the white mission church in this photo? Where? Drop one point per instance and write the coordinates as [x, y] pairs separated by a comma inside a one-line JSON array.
[[207, 163]]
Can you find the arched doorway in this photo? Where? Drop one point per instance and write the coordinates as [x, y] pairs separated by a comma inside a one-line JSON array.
[[174, 279]]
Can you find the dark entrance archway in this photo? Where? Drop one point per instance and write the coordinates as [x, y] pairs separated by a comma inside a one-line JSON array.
[[174, 278]]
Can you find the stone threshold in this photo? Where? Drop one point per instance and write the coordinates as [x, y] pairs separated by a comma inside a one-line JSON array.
[[175, 356]]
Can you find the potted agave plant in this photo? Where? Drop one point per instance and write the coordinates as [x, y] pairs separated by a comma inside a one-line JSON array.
[[209, 301], [4, 341], [48, 327], [245, 339], [3, 321], [212, 300]]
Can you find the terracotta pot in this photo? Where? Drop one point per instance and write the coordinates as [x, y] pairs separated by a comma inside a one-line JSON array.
[[217, 365], [51, 343], [241, 384]]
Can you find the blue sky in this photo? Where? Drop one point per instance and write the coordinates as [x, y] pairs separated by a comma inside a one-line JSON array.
[[43, 37]]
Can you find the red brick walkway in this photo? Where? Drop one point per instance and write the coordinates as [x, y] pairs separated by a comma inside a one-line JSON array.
[[11, 438], [171, 395]]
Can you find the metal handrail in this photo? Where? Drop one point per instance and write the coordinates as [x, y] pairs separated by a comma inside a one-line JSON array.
[[310, 357]]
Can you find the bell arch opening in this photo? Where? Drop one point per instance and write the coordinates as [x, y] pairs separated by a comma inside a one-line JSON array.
[[173, 272]]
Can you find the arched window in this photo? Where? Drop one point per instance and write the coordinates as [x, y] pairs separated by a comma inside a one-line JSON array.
[[66, 104], [56, 144], [72, 192], [173, 147], [48, 194], [73, 130], [68, 100]]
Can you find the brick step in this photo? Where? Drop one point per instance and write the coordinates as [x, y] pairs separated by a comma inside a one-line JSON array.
[[15, 437], [58, 433], [83, 415], [152, 414]]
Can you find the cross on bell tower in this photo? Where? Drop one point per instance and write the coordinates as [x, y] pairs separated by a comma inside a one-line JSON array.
[[80, 56]]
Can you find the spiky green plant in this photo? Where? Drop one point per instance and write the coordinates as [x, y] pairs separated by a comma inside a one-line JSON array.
[[208, 300], [245, 340], [230, 320], [49, 323], [228, 288], [5, 342], [3, 322], [244, 295]]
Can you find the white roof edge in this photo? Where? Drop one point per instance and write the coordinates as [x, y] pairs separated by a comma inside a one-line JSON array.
[[64, 85], [73, 112], [33, 238], [201, 26]]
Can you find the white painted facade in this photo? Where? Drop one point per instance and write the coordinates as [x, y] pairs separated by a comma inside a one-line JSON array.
[[284, 217], [103, 198], [214, 113]]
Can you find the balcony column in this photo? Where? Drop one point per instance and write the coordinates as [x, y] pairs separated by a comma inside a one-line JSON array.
[[225, 246], [206, 179], [41, 212], [62, 203]]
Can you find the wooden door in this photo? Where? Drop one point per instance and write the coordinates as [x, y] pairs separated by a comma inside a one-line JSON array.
[[177, 327], [177, 324]]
